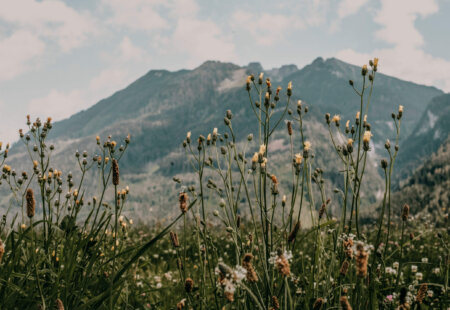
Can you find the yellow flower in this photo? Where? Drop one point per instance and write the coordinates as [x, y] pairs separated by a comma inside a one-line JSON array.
[[307, 145], [350, 141], [375, 61], [336, 118], [262, 149], [298, 158], [367, 135], [255, 158]]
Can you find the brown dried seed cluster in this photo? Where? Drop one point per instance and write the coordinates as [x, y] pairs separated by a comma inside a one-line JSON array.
[[405, 212], [115, 171], [247, 264], [275, 303], [347, 244], [182, 199], [318, 304], [31, 203], [283, 265], [422, 293], [344, 303], [59, 304], [344, 267], [188, 285], [361, 261]]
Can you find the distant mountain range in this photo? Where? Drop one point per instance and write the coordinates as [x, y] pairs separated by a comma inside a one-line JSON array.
[[160, 107]]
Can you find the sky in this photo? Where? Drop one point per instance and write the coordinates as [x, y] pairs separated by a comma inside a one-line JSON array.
[[60, 57]]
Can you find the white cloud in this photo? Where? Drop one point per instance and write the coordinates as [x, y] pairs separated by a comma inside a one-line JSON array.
[[349, 7], [18, 53], [58, 105], [406, 59], [52, 20], [137, 14]]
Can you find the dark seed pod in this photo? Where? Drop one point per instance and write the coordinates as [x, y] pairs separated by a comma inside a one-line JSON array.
[[294, 232], [31, 203], [189, 285], [115, 167]]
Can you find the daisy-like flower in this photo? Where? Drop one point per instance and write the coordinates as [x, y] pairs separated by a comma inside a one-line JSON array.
[[419, 276]]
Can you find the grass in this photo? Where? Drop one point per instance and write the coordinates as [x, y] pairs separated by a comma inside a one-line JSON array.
[[240, 241]]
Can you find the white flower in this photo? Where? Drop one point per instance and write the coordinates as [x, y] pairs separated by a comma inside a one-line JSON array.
[[395, 265], [239, 273], [436, 270], [419, 276], [430, 293], [228, 286], [424, 260], [413, 268], [159, 285], [168, 275]]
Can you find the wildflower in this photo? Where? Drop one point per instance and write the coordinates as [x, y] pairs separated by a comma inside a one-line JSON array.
[[375, 63], [424, 260], [283, 201], [400, 112], [421, 293], [181, 304], [289, 89], [260, 78], [275, 303], [344, 303], [419, 276], [396, 265], [307, 145], [182, 199], [262, 149], [282, 262], [247, 264], [413, 268], [350, 145], [115, 172], [318, 304], [59, 304], [327, 118], [436, 270], [344, 267], [336, 119], [364, 70], [274, 179], [405, 212], [264, 162], [6, 169], [361, 261], [188, 285], [31, 203], [298, 158], [289, 128], [228, 289], [389, 298]]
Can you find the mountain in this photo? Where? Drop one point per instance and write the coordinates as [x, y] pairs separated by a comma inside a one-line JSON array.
[[430, 132], [161, 106], [428, 187]]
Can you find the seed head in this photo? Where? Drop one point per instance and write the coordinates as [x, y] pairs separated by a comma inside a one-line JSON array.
[[364, 70], [405, 212], [336, 119], [318, 304], [344, 267], [293, 233], [361, 261], [247, 264], [298, 158], [275, 303], [289, 128], [115, 172], [59, 304], [289, 89], [262, 149], [182, 199], [188, 285], [31, 203], [421, 294], [344, 303]]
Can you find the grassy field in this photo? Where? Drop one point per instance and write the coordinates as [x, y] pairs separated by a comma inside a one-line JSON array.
[[240, 240]]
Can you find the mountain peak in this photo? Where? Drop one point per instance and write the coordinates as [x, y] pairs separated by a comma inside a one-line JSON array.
[[255, 68]]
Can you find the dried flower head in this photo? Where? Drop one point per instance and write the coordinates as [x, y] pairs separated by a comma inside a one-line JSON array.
[[306, 146], [344, 303], [174, 239], [282, 264], [59, 304], [275, 303], [247, 264], [255, 158], [31, 203], [405, 212], [367, 136], [262, 149], [421, 293], [336, 119], [183, 199], [188, 285], [344, 267], [318, 304], [115, 172], [361, 261], [298, 158], [289, 128]]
